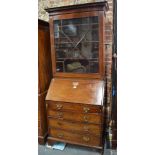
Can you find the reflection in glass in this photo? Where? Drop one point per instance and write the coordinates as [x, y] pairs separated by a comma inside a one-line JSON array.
[[77, 45]]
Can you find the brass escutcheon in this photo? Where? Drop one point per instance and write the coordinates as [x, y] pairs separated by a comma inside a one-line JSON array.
[[75, 84]]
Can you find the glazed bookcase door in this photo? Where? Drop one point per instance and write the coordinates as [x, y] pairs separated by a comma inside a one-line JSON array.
[[77, 45]]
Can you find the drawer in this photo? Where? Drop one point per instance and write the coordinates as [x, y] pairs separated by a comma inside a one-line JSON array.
[[75, 127], [75, 107], [80, 117], [78, 138]]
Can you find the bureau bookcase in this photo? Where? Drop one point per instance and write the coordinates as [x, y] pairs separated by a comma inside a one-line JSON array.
[[75, 98]]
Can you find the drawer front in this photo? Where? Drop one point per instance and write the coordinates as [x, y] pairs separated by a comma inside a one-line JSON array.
[[79, 138], [75, 127], [75, 107], [78, 117]]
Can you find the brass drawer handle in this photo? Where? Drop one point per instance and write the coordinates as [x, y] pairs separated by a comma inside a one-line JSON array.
[[60, 135], [86, 118], [86, 109], [86, 128], [86, 139], [59, 106]]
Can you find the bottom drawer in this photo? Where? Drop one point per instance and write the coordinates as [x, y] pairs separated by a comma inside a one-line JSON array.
[[78, 138]]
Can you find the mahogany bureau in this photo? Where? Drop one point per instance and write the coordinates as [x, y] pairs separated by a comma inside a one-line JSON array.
[[76, 113], [75, 107], [44, 77]]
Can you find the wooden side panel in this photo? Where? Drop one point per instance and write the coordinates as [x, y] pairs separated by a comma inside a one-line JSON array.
[[44, 59], [44, 76], [43, 115]]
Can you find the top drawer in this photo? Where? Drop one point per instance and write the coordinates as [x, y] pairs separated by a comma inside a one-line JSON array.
[[77, 107]]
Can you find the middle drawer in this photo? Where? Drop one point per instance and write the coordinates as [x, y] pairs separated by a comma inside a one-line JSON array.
[[94, 118], [75, 127]]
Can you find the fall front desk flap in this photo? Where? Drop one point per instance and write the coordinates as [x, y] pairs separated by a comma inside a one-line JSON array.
[[76, 91]]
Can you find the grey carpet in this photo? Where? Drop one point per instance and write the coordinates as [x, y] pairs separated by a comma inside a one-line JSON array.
[[73, 150]]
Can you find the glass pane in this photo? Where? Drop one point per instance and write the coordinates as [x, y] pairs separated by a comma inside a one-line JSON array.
[[77, 45]]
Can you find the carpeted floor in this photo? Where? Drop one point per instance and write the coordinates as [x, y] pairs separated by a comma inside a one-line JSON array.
[[73, 150]]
